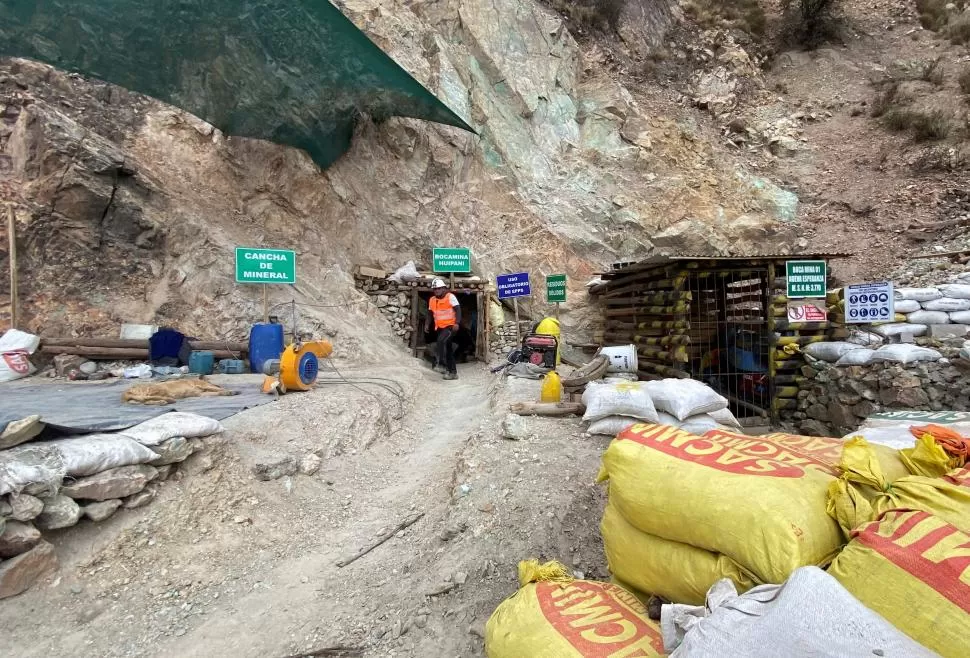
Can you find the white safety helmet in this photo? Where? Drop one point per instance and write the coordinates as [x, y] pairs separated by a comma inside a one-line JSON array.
[[438, 283]]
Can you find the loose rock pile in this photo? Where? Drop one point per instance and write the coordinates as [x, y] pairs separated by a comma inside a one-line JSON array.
[[51, 485]]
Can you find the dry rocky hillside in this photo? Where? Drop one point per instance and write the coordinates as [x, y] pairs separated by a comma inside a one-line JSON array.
[[605, 130]]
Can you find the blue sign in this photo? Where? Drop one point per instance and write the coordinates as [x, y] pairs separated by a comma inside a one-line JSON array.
[[513, 285]]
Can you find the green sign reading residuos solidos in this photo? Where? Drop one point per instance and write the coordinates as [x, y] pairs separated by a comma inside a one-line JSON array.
[[455, 259], [265, 265], [556, 288]]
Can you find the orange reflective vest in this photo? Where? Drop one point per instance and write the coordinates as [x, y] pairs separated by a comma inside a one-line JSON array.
[[443, 311]]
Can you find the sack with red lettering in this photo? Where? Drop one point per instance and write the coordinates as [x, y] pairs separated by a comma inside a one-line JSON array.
[[555, 616], [15, 350], [677, 572], [757, 501], [911, 567]]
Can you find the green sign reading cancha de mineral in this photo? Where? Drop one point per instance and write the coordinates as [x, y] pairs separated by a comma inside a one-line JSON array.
[[265, 265], [452, 259]]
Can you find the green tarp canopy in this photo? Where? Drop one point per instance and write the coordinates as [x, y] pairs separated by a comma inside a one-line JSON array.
[[296, 72]]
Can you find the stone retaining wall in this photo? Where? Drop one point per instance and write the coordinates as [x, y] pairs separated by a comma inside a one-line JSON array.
[[833, 401]]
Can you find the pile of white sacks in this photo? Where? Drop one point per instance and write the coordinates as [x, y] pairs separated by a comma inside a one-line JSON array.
[[50, 485], [940, 312], [614, 405]]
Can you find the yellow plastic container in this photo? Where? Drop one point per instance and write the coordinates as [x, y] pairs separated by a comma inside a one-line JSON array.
[[550, 327], [551, 388]]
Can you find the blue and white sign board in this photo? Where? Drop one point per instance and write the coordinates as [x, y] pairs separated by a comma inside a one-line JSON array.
[[866, 303], [513, 285]]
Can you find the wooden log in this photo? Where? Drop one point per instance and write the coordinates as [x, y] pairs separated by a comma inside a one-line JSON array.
[[646, 368], [547, 408], [669, 339], [135, 343], [655, 313], [117, 353], [663, 325]]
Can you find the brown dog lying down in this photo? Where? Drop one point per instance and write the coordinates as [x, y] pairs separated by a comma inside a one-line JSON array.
[[169, 392]]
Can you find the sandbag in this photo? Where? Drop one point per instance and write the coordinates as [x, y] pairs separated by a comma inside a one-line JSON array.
[[35, 469], [555, 616], [864, 492], [611, 425], [15, 350], [906, 305], [810, 614], [956, 290], [902, 353], [960, 317], [626, 399], [176, 423], [909, 566], [682, 398], [898, 328], [860, 357], [928, 317], [947, 305], [829, 352], [897, 437], [918, 294], [725, 417], [748, 498], [94, 453], [828, 453], [677, 572]]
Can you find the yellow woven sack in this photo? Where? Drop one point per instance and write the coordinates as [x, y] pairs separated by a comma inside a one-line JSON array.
[[864, 493], [753, 500], [555, 616], [912, 568], [677, 572], [828, 451], [928, 458]]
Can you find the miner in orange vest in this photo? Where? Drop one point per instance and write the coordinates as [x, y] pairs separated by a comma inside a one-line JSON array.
[[444, 316]]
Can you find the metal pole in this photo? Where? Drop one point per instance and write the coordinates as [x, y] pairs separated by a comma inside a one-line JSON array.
[[557, 310], [12, 235]]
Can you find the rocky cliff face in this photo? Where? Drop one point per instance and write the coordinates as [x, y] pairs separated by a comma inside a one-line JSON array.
[[128, 210]]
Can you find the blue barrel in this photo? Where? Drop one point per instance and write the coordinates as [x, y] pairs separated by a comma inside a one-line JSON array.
[[202, 363], [265, 342]]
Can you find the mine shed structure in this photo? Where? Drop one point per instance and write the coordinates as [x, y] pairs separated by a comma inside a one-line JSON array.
[[721, 320], [406, 305]]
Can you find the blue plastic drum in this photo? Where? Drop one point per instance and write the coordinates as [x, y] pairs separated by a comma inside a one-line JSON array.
[[265, 342]]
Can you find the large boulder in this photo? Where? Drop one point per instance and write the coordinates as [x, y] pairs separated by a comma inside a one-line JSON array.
[[24, 507], [101, 511], [20, 573], [115, 483], [59, 512], [18, 538]]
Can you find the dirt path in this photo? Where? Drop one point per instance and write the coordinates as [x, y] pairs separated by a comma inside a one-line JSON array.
[[224, 565]]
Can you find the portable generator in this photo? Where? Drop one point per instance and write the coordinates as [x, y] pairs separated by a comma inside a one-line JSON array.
[[540, 350]]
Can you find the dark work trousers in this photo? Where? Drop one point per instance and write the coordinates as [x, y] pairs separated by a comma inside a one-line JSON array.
[[444, 352]]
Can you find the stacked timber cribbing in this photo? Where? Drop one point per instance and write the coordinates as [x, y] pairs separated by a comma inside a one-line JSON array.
[[648, 305], [786, 360]]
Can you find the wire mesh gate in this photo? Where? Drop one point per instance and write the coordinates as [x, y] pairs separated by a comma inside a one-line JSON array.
[[730, 341]]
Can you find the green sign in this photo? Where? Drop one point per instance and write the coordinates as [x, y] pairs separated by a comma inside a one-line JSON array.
[[938, 417], [265, 265], [806, 278], [458, 259], [556, 288]]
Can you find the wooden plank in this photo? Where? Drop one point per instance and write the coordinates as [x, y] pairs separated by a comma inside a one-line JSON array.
[[12, 257], [669, 339], [138, 344]]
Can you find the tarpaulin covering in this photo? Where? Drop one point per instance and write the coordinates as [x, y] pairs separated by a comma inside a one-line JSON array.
[[296, 72], [81, 408]]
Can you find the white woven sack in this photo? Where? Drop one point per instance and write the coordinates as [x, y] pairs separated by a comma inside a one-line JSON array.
[[167, 426], [683, 398]]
